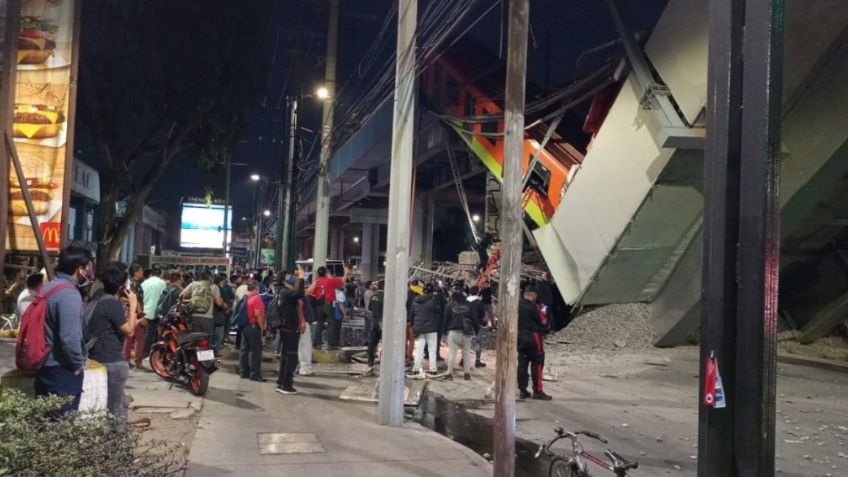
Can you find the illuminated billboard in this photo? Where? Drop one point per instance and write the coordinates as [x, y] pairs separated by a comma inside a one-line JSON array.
[[202, 226]]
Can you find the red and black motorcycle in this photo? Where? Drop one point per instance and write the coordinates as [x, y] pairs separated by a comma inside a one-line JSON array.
[[183, 356]]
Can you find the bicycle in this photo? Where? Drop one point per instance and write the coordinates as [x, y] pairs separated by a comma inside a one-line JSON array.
[[9, 322], [575, 464]]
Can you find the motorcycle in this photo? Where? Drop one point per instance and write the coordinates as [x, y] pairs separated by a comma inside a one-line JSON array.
[[182, 356]]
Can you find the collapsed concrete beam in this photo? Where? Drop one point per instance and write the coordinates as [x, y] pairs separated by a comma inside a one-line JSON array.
[[825, 320]]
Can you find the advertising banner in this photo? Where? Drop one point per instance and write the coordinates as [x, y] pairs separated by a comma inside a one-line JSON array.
[[42, 121]]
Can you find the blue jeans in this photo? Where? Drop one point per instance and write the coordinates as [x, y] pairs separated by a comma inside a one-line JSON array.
[[480, 340], [218, 338], [60, 381]]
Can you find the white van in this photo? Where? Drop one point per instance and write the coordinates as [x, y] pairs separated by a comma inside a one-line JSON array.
[[334, 268]]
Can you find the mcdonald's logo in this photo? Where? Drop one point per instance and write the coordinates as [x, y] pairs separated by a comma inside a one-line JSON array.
[[51, 231]]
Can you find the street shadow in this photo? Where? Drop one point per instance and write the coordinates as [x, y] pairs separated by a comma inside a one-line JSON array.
[[231, 398]]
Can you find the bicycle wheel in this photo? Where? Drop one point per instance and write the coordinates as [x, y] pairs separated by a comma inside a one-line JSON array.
[[561, 468]]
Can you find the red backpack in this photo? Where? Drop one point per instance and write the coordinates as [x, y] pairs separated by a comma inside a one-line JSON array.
[[32, 350]]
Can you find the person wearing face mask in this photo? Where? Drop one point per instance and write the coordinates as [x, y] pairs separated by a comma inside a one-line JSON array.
[[62, 371]]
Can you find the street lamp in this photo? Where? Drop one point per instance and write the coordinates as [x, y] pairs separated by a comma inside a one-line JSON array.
[[475, 217], [322, 93], [266, 213], [355, 239], [255, 177]]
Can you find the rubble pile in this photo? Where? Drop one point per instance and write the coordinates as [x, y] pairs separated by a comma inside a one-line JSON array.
[[611, 327], [830, 347]]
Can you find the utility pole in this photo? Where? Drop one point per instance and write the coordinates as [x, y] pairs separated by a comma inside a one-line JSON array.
[[284, 237], [7, 99], [322, 196], [260, 194], [512, 217], [227, 203], [741, 238], [390, 405]]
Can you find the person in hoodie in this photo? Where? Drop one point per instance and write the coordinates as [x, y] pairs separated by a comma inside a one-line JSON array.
[[426, 323]]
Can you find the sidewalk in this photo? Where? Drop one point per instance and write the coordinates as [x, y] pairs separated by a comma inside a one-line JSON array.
[[246, 428]]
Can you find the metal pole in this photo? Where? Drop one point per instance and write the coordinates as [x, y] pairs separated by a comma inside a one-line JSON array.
[[390, 406], [33, 220], [741, 226], [512, 216], [322, 196], [721, 232], [227, 203], [257, 260], [7, 99], [759, 236], [285, 242]]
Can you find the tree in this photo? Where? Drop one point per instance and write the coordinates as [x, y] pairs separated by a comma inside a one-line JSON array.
[[162, 81]]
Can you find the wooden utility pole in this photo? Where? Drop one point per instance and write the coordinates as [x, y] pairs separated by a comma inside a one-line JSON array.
[[741, 236], [512, 216], [322, 196], [390, 407], [11, 27]]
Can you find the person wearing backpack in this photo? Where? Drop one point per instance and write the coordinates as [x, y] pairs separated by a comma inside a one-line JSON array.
[[461, 327], [375, 308], [203, 296], [108, 323], [61, 371]]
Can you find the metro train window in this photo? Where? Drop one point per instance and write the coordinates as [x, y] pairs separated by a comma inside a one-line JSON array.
[[540, 178]]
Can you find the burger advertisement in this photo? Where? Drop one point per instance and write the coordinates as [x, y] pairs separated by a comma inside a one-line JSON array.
[[42, 112]]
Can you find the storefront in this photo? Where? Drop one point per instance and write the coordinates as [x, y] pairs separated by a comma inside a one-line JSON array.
[[85, 197]]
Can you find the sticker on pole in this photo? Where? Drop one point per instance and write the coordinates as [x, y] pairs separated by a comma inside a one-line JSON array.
[[713, 387]]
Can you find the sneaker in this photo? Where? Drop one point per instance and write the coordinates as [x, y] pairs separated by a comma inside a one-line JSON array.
[[284, 390], [449, 377], [259, 379], [467, 377], [541, 396], [479, 364], [525, 394], [306, 374]]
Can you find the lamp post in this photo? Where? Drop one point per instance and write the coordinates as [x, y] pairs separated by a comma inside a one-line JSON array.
[[257, 195], [227, 226]]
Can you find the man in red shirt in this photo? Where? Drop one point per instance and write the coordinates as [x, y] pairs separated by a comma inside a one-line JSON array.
[[250, 355], [324, 292]]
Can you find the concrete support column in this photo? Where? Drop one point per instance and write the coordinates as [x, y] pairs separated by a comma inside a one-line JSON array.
[[334, 243], [429, 222], [369, 240]]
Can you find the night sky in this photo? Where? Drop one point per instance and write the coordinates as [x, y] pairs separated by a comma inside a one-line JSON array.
[[287, 57]]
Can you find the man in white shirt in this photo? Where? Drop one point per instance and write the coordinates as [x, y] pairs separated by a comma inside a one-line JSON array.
[[33, 285], [153, 288]]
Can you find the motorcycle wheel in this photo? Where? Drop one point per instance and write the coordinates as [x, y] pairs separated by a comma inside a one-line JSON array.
[[561, 468], [199, 382], [159, 361]]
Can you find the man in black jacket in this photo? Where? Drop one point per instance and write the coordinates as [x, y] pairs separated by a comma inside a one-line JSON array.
[[426, 323], [531, 329], [292, 324]]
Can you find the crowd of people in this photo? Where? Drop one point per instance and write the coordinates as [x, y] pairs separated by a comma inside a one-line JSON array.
[[113, 316]]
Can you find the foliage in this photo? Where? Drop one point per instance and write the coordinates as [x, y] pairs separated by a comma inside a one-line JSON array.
[[162, 81], [35, 443]]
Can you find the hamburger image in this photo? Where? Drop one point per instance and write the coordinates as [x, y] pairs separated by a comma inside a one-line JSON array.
[[38, 121], [39, 110], [39, 179], [36, 40]]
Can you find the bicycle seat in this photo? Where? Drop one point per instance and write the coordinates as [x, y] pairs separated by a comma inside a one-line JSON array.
[[620, 463], [184, 337]]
